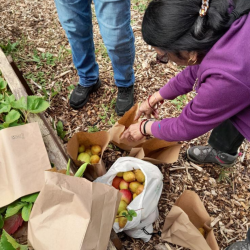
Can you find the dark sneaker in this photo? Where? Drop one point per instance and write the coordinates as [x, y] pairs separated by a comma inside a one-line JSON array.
[[207, 154], [241, 245], [125, 99], [80, 95]]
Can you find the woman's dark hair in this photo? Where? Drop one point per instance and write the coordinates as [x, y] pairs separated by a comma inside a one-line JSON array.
[[175, 25]]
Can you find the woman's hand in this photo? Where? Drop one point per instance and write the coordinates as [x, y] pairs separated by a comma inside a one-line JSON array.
[[145, 108], [132, 133]]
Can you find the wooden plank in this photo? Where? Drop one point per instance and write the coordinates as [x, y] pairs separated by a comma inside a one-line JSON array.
[[53, 145], [56, 152]]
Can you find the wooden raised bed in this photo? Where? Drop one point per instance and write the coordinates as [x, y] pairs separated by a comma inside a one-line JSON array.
[[54, 146]]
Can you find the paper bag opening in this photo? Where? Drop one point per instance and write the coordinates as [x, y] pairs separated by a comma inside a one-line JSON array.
[[182, 224], [100, 138]]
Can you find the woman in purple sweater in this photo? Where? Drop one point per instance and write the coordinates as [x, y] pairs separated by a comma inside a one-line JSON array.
[[212, 38]]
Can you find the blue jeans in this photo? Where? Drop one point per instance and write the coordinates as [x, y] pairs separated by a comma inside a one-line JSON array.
[[113, 17]]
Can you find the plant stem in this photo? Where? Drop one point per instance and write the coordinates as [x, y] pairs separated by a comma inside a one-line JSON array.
[[26, 116]]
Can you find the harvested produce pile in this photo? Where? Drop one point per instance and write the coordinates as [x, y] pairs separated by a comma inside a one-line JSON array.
[[42, 54], [130, 184]]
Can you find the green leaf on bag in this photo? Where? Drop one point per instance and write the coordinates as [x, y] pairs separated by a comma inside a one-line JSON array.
[[36, 104], [20, 104], [4, 107], [129, 217], [1, 221], [26, 210], [9, 99], [1, 97], [9, 243], [14, 208], [30, 197], [12, 116], [132, 213], [3, 84]]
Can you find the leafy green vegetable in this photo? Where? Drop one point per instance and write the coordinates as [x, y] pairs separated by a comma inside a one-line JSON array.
[[26, 210], [14, 208], [30, 197], [9, 243]]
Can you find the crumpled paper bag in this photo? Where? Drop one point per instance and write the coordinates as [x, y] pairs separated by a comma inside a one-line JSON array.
[[157, 151], [183, 221], [72, 213]]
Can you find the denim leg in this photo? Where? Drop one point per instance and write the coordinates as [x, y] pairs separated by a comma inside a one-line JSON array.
[[113, 17], [226, 138], [76, 19]]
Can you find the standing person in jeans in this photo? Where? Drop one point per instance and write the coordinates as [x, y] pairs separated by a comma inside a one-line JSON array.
[[114, 22], [213, 37]]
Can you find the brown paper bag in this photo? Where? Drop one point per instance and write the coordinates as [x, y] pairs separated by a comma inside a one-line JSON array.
[[23, 159], [72, 213], [117, 130], [183, 221], [101, 138], [157, 151]]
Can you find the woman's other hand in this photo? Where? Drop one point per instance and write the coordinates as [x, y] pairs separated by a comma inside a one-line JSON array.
[[149, 107]]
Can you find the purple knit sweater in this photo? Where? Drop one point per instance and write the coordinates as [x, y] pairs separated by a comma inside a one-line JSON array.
[[223, 89]]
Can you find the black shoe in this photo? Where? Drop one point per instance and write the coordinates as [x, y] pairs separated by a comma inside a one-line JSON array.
[[125, 99], [80, 95], [207, 154]]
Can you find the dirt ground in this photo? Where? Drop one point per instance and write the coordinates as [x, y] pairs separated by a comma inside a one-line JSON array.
[[41, 51]]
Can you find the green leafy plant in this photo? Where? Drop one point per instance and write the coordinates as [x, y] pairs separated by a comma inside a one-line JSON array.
[[9, 243], [15, 112], [180, 101], [59, 129], [224, 175], [21, 206], [92, 129], [9, 47]]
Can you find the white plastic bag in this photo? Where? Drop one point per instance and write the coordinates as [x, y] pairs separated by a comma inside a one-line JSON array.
[[144, 204]]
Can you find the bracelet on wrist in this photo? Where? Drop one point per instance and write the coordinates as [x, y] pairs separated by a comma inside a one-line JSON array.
[[144, 120], [144, 126]]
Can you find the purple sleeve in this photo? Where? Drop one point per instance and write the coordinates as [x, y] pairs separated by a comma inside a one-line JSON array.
[[219, 98], [180, 84]]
